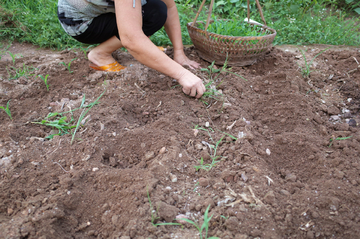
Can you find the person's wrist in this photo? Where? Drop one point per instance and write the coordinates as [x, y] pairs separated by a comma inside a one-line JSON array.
[[181, 75]]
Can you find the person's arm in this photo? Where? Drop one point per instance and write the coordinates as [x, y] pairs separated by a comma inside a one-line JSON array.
[[129, 21], [173, 29]]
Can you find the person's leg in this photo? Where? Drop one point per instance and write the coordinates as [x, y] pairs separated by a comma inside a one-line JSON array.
[[154, 16], [103, 30]]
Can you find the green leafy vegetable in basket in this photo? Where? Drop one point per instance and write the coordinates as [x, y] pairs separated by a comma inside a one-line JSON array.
[[234, 27]]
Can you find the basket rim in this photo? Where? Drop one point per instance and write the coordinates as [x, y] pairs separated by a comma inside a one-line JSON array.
[[190, 25]]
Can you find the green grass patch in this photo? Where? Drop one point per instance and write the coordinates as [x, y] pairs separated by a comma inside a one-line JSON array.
[[297, 22]]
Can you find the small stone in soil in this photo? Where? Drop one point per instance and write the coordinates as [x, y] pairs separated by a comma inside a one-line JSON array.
[[203, 182]]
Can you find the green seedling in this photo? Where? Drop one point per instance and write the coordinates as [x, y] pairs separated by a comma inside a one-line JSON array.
[[205, 225], [154, 216], [213, 73], [68, 65], [338, 138], [84, 112], [19, 72], [45, 80], [305, 71], [59, 120], [214, 158], [207, 167], [196, 186], [85, 50], [7, 110], [13, 56]]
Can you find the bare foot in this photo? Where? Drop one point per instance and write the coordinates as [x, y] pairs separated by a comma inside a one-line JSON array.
[[100, 58]]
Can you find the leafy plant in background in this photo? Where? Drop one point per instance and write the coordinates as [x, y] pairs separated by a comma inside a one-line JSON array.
[[296, 21], [45, 80], [7, 110], [68, 65], [353, 5], [234, 27], [204, 226], [305, 71]]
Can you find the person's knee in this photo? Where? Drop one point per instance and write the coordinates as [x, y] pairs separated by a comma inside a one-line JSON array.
[[154, 15]]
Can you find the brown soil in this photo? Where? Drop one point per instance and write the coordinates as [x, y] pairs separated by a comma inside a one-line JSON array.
[[293, 172]]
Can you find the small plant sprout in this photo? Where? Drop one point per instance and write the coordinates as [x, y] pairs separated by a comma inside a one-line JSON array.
[[338, 138], [154, 216], [305, 71], [68, 66], [205, 225], [64, 126], [85, 50], [15, 73], [45, 80], [213, 73], [13, 56], [207, 167], [7, 110]]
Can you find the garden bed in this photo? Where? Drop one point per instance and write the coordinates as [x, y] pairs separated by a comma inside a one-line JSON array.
[[287, 145]]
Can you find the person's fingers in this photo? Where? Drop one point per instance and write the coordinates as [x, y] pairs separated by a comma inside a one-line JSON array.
[[193, 92], [186, 91], [200, 92]]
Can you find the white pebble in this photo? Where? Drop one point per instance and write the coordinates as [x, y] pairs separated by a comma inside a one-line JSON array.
[[268, 151], [95, 169]]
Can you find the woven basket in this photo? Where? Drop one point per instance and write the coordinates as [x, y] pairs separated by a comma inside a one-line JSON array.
[[237, 51]]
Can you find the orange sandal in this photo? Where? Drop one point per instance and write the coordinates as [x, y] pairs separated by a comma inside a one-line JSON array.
[[112, 67]]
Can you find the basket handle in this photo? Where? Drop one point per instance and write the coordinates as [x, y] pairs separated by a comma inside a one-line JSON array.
[[260, 11], [210, 10], [209, 15]]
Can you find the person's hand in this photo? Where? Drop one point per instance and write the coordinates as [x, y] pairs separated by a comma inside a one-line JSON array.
[[182, 59], [192, 85]]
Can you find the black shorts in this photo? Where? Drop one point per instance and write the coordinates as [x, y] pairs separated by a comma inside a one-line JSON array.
[[104, 27]]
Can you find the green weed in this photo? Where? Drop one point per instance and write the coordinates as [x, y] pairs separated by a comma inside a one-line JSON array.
[[5, 48], [338, 138], [305, 71], [14, 56], [204, 226], [7, 110], [207, 167], [64, 126], [68, 65], [85, 50], [45, 80], [15, 73], [213, 73], [154, 216], [84, 112]]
